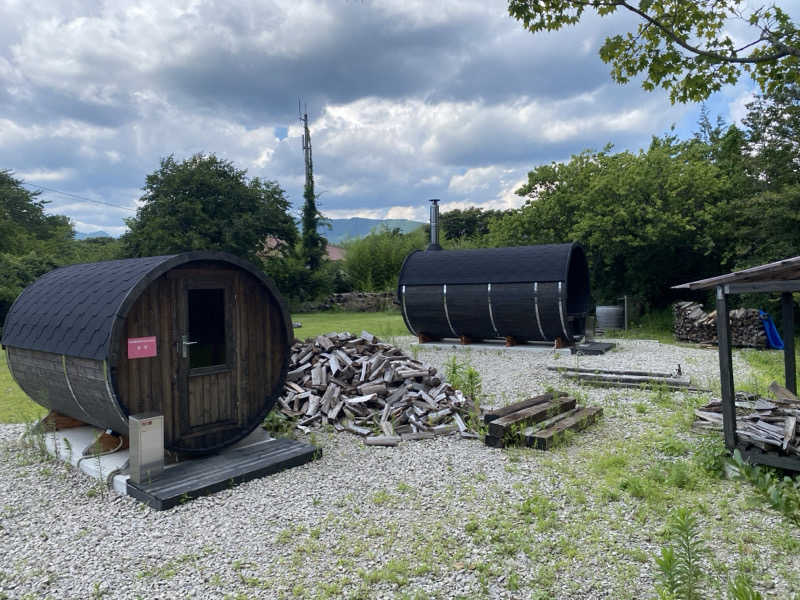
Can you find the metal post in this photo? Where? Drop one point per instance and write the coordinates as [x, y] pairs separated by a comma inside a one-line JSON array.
[[434, 245], [789, 366], [624, 310], [726, 369]]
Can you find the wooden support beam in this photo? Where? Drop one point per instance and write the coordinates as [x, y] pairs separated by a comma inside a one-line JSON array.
[[496, 413], [55, 421], [790, 368], [792, 285], [726, 370], [423, 338], [544, 438]]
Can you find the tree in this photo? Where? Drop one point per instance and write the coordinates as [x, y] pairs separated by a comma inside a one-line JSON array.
[[313, 243], [24, 226], [373, 262], [683, 46], [471, 222], [773, 122], [205, 203], [31, 242], [647, 220]]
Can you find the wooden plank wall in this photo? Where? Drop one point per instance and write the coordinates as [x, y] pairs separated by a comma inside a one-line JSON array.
[[149, 384], [259, 350]]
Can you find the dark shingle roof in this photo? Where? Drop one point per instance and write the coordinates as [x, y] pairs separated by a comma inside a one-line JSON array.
[[516, 264], [72, 310]]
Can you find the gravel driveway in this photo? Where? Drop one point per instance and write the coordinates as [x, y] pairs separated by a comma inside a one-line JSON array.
[[442, 518]]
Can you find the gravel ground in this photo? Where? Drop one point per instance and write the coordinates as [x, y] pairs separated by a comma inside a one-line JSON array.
[[441, 518]]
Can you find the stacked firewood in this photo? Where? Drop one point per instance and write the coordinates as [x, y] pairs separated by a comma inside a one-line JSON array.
[[767, 424], [370, 388], [693, 324]]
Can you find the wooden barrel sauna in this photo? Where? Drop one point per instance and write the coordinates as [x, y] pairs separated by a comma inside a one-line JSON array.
[[202, 338], [524, 293]]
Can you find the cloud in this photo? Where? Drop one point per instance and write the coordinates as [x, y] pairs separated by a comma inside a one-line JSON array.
[[408, 100], [45, 174]]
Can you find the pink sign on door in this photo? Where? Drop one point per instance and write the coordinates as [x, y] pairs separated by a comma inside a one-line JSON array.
[[142, 347]]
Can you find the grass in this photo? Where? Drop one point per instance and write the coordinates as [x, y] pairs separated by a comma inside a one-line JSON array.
[[651, 326], [766, 366], [15, 406], [382, 324]]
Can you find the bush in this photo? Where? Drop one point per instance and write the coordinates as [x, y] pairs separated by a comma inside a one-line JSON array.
[[373, 263]]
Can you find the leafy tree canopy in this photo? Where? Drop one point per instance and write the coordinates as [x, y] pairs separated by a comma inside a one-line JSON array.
[[683, 46], [647, 220], [773, 122], [205, 203], [31, 242], [468, 223], [24, 226]]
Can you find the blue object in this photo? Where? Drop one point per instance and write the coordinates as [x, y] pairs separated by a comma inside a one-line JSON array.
[[774, 339]]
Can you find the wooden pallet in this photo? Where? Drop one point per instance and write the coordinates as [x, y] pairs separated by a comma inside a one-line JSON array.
[[528, 416], [491, 415], [575, 420], [544, 417]]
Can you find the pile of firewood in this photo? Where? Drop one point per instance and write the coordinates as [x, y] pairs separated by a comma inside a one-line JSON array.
[[370, 388], [693, 324], [767, 424]]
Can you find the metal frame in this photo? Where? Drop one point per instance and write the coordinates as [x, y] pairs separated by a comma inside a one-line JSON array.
[[786, 288]]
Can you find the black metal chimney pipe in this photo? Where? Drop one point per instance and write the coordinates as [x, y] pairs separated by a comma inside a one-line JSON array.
[[434, 245]]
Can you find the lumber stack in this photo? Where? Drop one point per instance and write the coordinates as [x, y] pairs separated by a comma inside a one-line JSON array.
[[691, 323], [537, 422], [769, 424], [372, 389], [675, 381]]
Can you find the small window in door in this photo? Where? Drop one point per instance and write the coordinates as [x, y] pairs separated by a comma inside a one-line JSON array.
[[207, 328]]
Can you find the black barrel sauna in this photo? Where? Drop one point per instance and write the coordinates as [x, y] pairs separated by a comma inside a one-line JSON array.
[[524, 293], [202, 338]]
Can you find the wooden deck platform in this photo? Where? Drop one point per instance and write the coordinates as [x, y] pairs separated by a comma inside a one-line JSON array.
[[202, 476]]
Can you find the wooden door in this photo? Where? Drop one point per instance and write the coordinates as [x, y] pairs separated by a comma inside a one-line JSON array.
[[208, 403]]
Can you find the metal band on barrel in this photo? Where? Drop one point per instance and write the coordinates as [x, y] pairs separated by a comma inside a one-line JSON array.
[[536, 308], [111, 395], [405, 312], [561, 308], [446, 314], [69, 386], [491, 313]]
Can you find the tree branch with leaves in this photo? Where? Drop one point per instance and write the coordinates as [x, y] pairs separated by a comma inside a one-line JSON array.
[[683, 46]]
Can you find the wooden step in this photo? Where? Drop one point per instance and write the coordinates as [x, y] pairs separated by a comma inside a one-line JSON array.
[[544, 438], [527, 416]]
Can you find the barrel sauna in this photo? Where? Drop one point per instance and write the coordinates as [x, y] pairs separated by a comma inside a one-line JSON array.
[[202, 338], [524, 293]]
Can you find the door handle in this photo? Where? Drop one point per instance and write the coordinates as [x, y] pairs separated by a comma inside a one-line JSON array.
[[185, 343]]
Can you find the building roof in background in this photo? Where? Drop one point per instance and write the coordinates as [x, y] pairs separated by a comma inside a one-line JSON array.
[[335, 252]]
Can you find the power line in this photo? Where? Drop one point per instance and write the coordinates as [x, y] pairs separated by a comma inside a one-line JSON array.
[[84, 198]]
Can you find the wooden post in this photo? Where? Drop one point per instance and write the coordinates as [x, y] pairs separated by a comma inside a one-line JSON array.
[[726, 369], [789, 366]]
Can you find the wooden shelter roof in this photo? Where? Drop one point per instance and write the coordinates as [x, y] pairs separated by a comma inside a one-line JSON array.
[[787, 269]]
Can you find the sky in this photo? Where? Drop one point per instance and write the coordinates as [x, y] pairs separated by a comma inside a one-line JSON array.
[[407, 100]]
